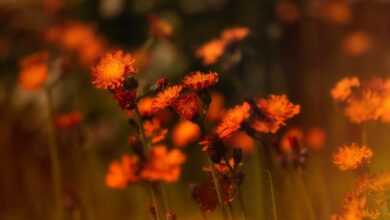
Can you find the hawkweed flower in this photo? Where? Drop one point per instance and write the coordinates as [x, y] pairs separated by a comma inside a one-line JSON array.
[[68, 120], [163, 164], [166, 97], [198, 80], [364, 108], [211, 51], [145, 106], [125, 98], [241, 140], [315, 138], [351, 157], [235, 34], [233, 119], [185, 133], [112, 69], [33, 71], [159, 27], [153, 129], [188, 105], [289, 139], [343, 89], [356, 44], [123, 172], [335, 12], [274, 111], [216, 108]]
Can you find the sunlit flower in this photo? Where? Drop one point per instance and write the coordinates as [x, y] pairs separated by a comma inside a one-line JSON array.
[[123, 172], [365, 108], [187, 105], [145, 106], [356, 43], [211, 51], [34, 70], [68, 120], [166, 97], [351, 157], [287, 12], [91, 50], [112, 69], [354, 207], [241, 140], [160, 27], [274, 112], [235, 34], [185, 133], [315, 138], [343, 89], [163, 164], [288, 140], [233, 120], [198, 80]]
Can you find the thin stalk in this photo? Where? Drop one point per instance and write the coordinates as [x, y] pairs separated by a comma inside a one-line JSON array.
[[272, 190], [218, 189], [54, 158], [156, 207]]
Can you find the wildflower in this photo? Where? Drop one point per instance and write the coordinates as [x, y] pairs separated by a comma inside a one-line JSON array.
[[34, 70], [352, 157], [68, 120], [163, 164], [198, 80], [234, 34], [125, 98], [211, 51], [336, 11], [240, 140], [154, 130], [315, 138], [274, 112], [289, 138], [123, 172], [216, 107], [160, 27], [185, 133], [356, 44], [187, 105], [233, 120], [364, 108], [166, 97], [112, 69], [145, 106], [343, 89]]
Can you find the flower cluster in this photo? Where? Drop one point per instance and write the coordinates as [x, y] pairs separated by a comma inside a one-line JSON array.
[[211, 51], [364, 101], [351, 157]]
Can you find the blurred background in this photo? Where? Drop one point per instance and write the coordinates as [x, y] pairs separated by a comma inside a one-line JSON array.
[[295, 47]]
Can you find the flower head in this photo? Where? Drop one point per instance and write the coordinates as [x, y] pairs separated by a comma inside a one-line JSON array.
[[292, 136], [315, 138], [34, 70], [233, 120], [185, 133], [166, 97], [163, 164], [352, 157], [187, 105], [241, 140], [154, 130], [145, 107], [68, 120], [160, 27], [356, 44], [364, 108], [343, 89], [211, 51], [198, 80], [235, 34], [112, 69], [216, 107], [123, 172], [274, 112]]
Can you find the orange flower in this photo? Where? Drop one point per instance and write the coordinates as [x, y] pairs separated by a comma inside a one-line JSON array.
[[288, 139], [275, 111], [336, 11], [233, 120], [287, 12], [160, 27], [211, 51], [68, 120], [166, 97], [234, 34], [343, 89], [216, 108], [315, 138], [154, 130], [185, 133], [34, 70], [145, 106], [112, 69], [356, 44], [241, 140], [198, 80], [123, 172], [187, 105], [354, 208], [163, 164], [352, 157], [365, 108]]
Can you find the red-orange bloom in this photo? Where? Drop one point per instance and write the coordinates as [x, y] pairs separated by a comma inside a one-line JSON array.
[[163, 164], [216, 107], [166, 97], [154, 130], [198, 80], [34, 70], [112, 69], [68, 120], [356, 44], [241, 140], [235, 34], [351, 157], [160, 27], [315, 138], [185, 133], [292, 136], [187, 105], [145, 106], [123, 172], [336, 11], [364, 108], [343, 89], [211, 51], [233, 120], [275, 111]]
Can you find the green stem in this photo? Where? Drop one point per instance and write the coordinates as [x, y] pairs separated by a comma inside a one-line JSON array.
[[54, 158], [273, 200]]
